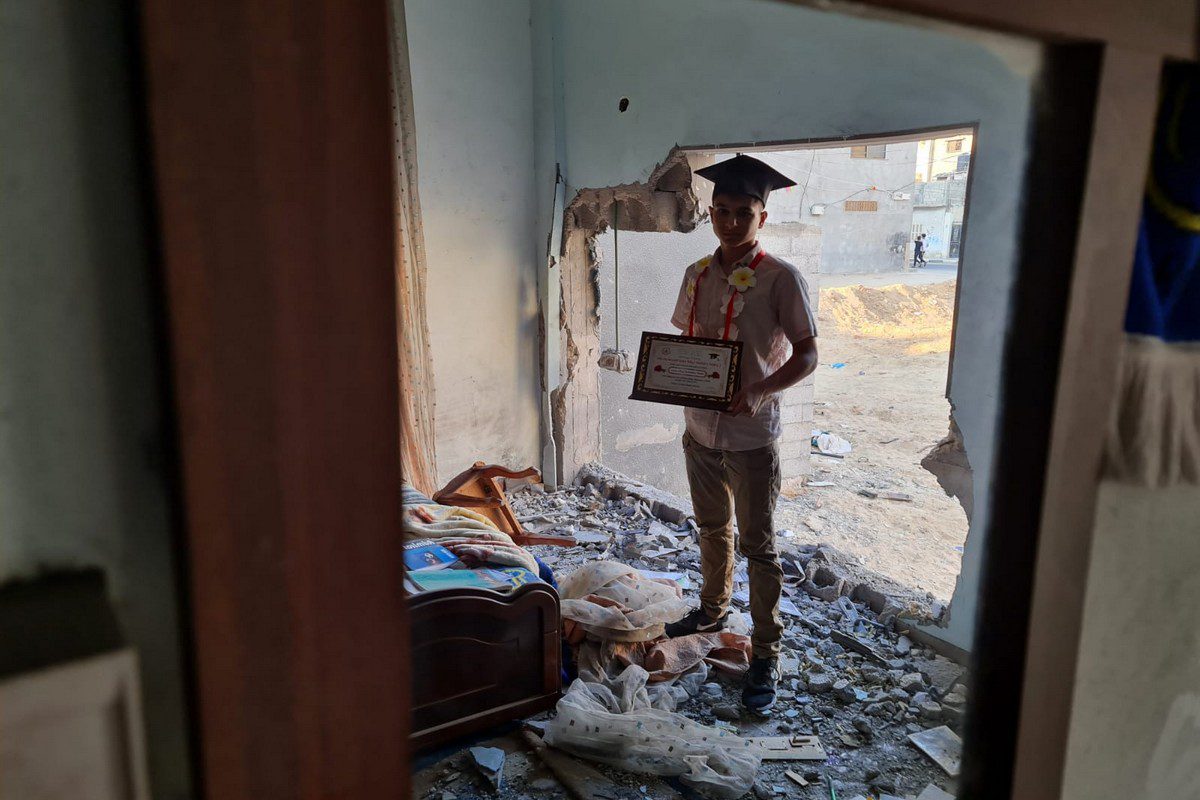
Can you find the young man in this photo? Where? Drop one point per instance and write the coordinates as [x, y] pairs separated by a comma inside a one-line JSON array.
[[732, 457]]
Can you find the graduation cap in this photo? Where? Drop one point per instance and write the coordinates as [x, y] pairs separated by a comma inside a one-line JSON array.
[[745, 175]]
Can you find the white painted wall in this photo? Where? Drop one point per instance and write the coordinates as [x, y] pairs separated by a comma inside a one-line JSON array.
[[1135, 727], [851, 241], [473, 83], [82, 454], [711, 72]]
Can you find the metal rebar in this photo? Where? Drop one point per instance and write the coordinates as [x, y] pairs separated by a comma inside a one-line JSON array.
[[616, 275]]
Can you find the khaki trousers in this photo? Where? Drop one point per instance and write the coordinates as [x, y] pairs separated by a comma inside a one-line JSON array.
[[726, 483]]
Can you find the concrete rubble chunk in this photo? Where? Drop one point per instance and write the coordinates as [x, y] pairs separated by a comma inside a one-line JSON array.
[[930, 709], [844, 691], [727, 712], [842, 669], [863, 726], [942, 746], [820, 682], [490, 762], [933, 792]]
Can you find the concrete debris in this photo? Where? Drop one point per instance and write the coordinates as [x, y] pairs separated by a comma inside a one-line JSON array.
[[854, 643], [942, 745], [930, 709], [582, 780], [932, 792], [820, 683], [490, 763], [850, 677], [727, 712]]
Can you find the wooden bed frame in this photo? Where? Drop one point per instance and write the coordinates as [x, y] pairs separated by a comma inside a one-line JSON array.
[[480, 658], [477, 489]]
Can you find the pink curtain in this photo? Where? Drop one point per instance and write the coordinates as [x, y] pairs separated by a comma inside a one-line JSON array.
[[418, 458]]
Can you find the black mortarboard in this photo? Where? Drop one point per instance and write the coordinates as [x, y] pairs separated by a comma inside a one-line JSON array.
[[745, 175]]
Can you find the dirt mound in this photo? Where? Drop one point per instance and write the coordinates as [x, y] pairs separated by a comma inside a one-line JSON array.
[[921, 314]]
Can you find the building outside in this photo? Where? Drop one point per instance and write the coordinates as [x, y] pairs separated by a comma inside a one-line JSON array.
[[860, 197], [940, 195], [938, 209], [940, 157]]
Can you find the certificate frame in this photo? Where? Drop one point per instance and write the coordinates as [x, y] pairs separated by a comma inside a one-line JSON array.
[[649, 354]]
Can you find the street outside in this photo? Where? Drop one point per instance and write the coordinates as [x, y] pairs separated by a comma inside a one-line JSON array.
[[884, 352]]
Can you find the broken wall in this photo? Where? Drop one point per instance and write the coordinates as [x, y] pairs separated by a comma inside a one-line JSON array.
[[472, 82], [851, 241], [812, 74], [1135, 725]]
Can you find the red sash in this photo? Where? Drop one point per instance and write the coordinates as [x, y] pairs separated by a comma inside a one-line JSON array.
[[728, 309]]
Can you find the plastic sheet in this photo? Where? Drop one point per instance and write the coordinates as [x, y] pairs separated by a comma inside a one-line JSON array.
[[614, 721], [615, 602]]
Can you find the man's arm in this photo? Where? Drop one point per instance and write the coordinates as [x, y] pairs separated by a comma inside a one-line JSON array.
[[802, 363]]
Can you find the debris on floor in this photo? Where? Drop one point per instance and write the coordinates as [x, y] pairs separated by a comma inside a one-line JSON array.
[[490, 762], [942, 745], [648, 720], [933, 792], [830, 444]]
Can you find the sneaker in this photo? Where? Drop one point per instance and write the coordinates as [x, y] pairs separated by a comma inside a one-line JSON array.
[[697, 622], [758, 691]]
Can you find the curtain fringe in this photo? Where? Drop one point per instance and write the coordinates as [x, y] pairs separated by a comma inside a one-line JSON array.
[[1154, 437]]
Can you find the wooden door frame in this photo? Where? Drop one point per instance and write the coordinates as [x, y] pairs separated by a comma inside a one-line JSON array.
[[272, 152], [1093, 125], [271, 133]]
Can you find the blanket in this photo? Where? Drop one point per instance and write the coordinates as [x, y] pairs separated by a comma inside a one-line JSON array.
[[469, 535]]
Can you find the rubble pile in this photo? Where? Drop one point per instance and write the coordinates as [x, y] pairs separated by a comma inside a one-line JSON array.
[[850, 674]]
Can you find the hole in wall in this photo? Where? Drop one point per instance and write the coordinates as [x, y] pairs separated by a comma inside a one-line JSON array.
[[623, 105], [885, 345]]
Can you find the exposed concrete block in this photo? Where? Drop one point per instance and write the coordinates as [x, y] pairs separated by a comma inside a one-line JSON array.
[[795, 417], [789, 450], [665, 202], [792, 468], [948, 463]]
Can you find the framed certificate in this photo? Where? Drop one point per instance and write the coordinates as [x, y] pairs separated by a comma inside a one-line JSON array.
[[687, 371]]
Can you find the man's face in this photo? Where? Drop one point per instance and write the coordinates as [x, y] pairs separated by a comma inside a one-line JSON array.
[[736, 218]]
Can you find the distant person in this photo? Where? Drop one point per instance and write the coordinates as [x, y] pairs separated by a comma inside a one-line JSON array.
[[918, 250]]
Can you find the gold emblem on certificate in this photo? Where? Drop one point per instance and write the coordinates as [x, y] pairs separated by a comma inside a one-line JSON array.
[[687, 371]]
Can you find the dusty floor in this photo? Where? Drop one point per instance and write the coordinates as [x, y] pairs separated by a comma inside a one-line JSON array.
[[888, 400], [880, 385], [862, 705]]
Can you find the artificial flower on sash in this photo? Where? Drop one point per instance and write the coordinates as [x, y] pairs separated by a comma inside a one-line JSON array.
[[739, 281]]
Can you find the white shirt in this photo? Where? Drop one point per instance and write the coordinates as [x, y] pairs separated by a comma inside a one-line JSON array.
[[770, 315]]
